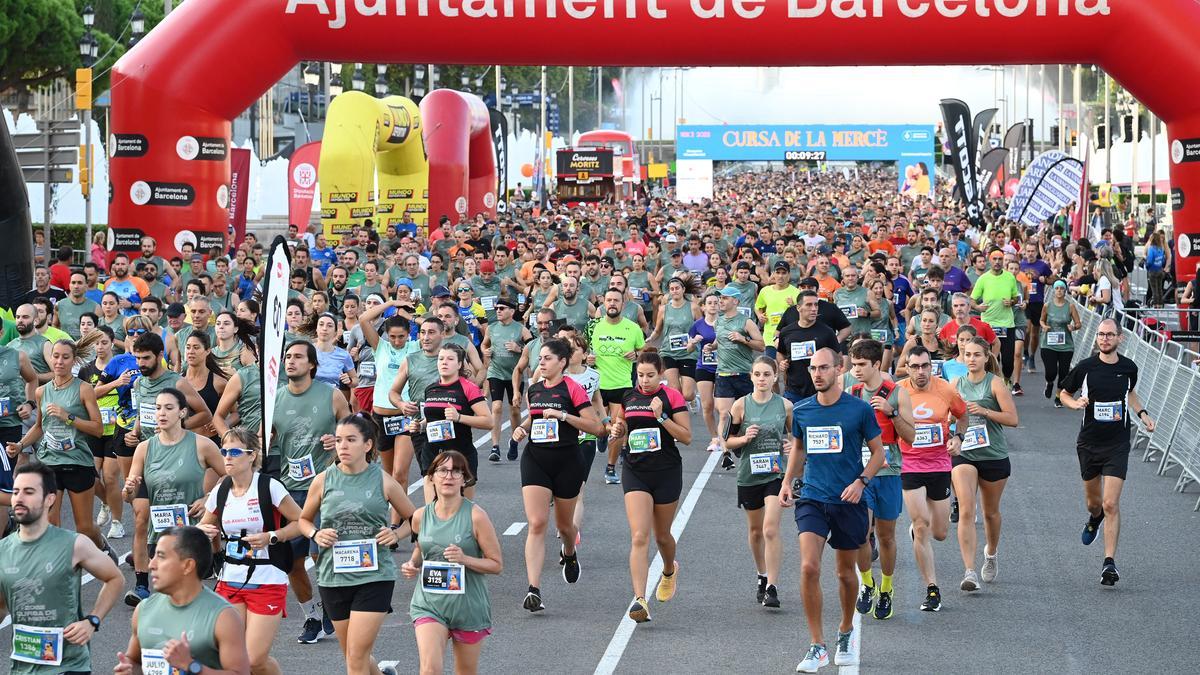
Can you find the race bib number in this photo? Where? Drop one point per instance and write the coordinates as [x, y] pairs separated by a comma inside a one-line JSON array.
[[544, 431], [745, 311], [439, 431], [976, 437], [147, 415], [1056, 338], [708, 358], [1000, 331], [766, 462], [236, 550], [37, 644], [850, 311], [1109, 412], [677, 342], [356, 555], [107, 416], [488, 302], [168, 516], [59, 444], [637, 292], [803, 350], [154, 663], [302, 468], [937, 367], [879, 334], [366, 369], [443, 578], [866, 455], [5, 407], [928, 436], [394, 426], [823, 440], [645, 440], [346, 336]]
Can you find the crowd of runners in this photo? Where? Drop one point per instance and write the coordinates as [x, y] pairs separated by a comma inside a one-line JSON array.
[[852, 353]]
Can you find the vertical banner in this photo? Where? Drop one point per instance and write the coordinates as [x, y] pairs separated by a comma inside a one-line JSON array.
[[302, 183], [980, 128], [500, 140], [1052, 181], [962, 146], [990, 166], [239, 192], [270, 348], [1081, 197]]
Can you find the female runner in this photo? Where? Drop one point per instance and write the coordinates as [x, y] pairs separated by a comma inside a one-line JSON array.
[[676, 316], [702, 333], [589, 379]]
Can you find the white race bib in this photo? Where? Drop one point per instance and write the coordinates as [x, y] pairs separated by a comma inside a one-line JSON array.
[[1108, 412], [148, 415], [637, 292], [356, 555], [236, 550], [439, 431], [108, 416], [803, 350], [544, 431], [346, 336], [1056, 338], [488, 302], [823, 440], [851, 311], [938, 367], [168, 515], [366, 369], [1000, 331], [927, 436], [766, 462], [59, 444], [745, 311], [677, 342], [708, 358], [37, 644], [154, 663], [443, 578], [302, 468], [976, 437], [645, 440], [879, 334], [5, 407]]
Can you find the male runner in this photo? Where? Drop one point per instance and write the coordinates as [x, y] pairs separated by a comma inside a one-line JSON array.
[[616, 342], [798, 342], [502, 343]]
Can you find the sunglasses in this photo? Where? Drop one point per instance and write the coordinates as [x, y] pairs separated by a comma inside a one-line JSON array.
[[235, 452], [137, 331], [464, 289]]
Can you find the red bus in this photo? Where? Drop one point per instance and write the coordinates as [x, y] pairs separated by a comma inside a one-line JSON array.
[[627, 170]]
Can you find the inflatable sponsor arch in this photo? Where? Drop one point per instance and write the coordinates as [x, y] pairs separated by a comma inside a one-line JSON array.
[[210, 59]]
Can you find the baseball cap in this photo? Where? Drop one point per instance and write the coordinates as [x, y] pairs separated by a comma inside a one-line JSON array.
[[440, 292], [175, 309], [742, 265], [487, 267], [731, 292], [676, 252], [809, 282], [671, 239], [782, 265]]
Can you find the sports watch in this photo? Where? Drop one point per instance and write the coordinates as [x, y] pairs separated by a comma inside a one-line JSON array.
[[95, 621], [865, 481], [272, 538], [195, 667]]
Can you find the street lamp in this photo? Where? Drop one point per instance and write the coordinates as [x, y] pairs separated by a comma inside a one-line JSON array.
[[137, 26], [85, 49], [335, 85], [312, 74], [466, 81], [358, 80], [89, 17]]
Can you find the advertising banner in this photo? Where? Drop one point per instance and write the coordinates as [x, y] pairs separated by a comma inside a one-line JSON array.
[[584, 166], [693, 180], [275, 290], [302, 183], [239, 194], [499, 124], [1052, 181], [991, 165], [962, 147]]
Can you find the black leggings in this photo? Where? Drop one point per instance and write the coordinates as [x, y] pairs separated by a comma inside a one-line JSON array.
[[1058, 364], [1008, 343]]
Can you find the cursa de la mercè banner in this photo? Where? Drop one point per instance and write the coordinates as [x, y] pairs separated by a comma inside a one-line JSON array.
[[910, 146]]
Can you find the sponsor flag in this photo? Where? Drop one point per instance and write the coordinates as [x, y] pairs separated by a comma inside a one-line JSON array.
[[500, 140], [980, 128], [275, 288], [990, 166], [302, 183], [239, 192], [1081, 194], [1052, 181], [962, 144]]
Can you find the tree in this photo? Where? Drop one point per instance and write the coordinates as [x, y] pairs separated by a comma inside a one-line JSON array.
[[38, 42]]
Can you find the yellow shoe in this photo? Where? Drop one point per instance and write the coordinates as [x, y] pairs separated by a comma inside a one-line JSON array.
[[666, 586], [639, 611]]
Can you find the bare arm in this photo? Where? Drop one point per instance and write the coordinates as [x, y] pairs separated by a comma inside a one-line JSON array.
[[227, 404], [492, 559], [201, 415]]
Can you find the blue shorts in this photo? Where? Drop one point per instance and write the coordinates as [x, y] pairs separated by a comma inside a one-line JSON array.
[[733, 386], [844, 525], [302, 546], [770, 352], [884, 497]]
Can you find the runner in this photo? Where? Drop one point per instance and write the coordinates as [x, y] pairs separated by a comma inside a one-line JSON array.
[[926, 339], [737, 339], [552, 466], [982, 465], [1059, 321], [676, 315], [253, 543], [884, 494], [797, 343], [356, 572], [654, 418], [1020, 321], [616, 342], [502, 343], [589, 380], [389, 346], [417, 371], [997, 292], [1106, 384], [701, 335], [41, 567], [829, 431], [456, 546], [18, 404], [772, 302], [926, 463], [762, 460], [211, 636], [453, 407]]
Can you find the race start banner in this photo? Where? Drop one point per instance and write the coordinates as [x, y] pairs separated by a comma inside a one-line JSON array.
[[275, 288]]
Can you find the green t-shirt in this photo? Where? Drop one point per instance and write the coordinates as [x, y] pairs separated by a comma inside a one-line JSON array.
[[611, 342], [992, 289]]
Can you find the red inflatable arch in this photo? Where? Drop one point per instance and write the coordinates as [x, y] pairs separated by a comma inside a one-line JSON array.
[[462, 157], [210, 59]]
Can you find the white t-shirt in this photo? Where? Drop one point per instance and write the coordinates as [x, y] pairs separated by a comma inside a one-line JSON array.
[[242, 513], [1103, 283]]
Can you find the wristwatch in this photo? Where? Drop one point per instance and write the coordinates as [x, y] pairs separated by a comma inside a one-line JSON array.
[[95, 621], [195, 667], [272, 537], [894, 414], [71, 419], [662, 419], [865, 481]]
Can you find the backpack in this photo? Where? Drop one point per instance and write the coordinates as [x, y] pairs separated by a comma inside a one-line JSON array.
[[279, 555], [886, 387]]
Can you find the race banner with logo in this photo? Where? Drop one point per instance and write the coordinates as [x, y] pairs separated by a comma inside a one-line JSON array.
[[991, 165], [275, 288], [962, 145], [499, 126], [1052, 181], [239, 192], [980, 128], [302, 183]]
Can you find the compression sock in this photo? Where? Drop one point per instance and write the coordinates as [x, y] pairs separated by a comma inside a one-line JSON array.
[[885, 584], [867, 578], [310, 609], [143, 578]]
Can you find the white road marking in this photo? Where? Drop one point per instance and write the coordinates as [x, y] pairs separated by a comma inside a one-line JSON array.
[[515, 529], [620, 639], [483, 441], [417, 485]]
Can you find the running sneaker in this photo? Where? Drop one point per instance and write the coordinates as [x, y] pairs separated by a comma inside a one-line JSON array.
[[533, 600], [138, 594], [495, 456], [1058, 403], [388, 670], [128, 559], [312, 632], [954, 510], [512, 450], [1017, 390], [570, 566], [762, 589], [1049, 389], [814, 660], [912, 534], [970, 582], [104, 516], [116, 530], [842, 656], [883, 606], [866, 598], [1109, 575], [610, 475], [666, 585], [1091, 529], [727, 462], [771, 597], [988, 571], [327, 623], [933, 600], [713, 445], [639, 611]]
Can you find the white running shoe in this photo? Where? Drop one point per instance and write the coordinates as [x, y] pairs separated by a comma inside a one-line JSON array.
[[116, 530], [816, 657], [843, 656], [970, 582], [104, 516], [989, 569]]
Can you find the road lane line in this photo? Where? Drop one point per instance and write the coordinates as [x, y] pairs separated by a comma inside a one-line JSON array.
[[620, 639], [483, 441], [515, 528]]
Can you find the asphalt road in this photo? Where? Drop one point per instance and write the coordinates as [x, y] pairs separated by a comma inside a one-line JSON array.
[[1046, 611]]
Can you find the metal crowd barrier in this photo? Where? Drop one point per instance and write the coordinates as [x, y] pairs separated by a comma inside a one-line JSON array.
[[1168, 372]]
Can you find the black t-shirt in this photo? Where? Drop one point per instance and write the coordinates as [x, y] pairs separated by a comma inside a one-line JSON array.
[[1106, 386], [462, 394], [650, 447], [828, 315], [555, 434], [797, 345]]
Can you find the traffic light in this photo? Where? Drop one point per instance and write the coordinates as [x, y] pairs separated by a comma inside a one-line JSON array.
[[83, 88], [1101, 132], [1053, 134], [85, 173], [1074, 138]]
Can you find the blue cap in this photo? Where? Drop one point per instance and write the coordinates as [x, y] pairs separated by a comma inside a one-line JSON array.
[[405, 282], [731, 292]]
